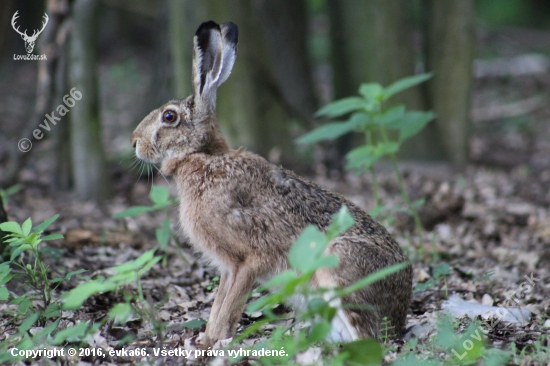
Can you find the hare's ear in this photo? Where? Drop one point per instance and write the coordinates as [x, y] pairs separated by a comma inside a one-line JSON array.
[[215, 50]]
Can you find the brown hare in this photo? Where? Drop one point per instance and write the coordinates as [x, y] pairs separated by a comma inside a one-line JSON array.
[[243, 213]]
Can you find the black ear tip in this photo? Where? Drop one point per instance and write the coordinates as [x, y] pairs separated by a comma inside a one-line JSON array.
[[230, 32], [206, 26]]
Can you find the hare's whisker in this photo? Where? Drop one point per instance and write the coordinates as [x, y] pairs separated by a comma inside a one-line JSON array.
[[162, 175]]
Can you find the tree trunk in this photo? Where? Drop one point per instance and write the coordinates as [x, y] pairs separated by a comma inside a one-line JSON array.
[[372, 42], [62, 176], [182, 15], [91, 176], [450, 56]]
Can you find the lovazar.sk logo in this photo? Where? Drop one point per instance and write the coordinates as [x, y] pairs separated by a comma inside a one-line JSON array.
[[29, 40]]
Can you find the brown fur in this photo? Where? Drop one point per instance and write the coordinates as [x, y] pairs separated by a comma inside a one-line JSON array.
[[244, 213]]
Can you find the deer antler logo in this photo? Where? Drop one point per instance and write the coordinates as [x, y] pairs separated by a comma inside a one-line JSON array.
[[29, 41]]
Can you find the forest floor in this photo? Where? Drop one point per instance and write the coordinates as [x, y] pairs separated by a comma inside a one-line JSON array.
[[491, 226]]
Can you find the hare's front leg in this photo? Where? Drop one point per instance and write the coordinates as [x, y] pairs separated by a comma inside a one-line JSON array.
[[218, 301], [229, 304]]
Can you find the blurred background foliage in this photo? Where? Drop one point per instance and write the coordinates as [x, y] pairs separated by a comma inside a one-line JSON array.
[[128, 57]]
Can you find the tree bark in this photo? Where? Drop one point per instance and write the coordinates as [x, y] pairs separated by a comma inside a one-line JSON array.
[[91, 176], [450, 57]]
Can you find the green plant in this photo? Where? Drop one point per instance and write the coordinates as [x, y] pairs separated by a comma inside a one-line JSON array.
[[306, 256], [440, 271], [10, 191], [40, 302], [30, 269], [371, 117], [27, 269], [447, 348], [213, 283], [536, 351], [160, 196], [485, 277], [386, 332]]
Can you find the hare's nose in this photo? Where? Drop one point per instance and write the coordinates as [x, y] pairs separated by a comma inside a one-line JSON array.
[[134, 141]]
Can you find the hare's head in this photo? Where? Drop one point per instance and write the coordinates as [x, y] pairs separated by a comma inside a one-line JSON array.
[[186, 126]]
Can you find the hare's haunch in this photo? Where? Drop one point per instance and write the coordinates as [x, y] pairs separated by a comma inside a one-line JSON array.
[[243, 213]]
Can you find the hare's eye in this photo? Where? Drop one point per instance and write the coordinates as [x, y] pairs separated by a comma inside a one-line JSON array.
[[169, 116]]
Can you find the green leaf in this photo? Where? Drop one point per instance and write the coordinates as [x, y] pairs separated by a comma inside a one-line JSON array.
[[391, 116], [361, 158], [424, 286], [5, 279], [329, 261], [341, 107], [40, 228], [372, 278], [52, 237], [149, 264], [19, 250], [18, 300], [11, 227], [319, 332], [419, 202], [159, 194], [334, 130], [10, 191], [26, 227], [497, 357], [377, 210], [47, 330], [364, 157], [28, 323], [74, 273], [135, 264], [341, 221], [4, 270], [163, 234], [363, 352], [194, 323], [71, 334], [414, 122], [306, 249], [372, 91], [4, 294], [318, 307], [404, 84], [76, 297], [280, 279], [133, 211], [52, 310], [446, 337], [442, 270], [120, 313]]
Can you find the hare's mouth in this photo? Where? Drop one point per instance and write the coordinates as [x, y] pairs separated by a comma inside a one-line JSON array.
[[146, 153]]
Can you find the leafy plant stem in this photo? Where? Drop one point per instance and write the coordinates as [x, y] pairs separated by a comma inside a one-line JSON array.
[[368, 138], [404, 193], [46, 289], [140, 290]]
